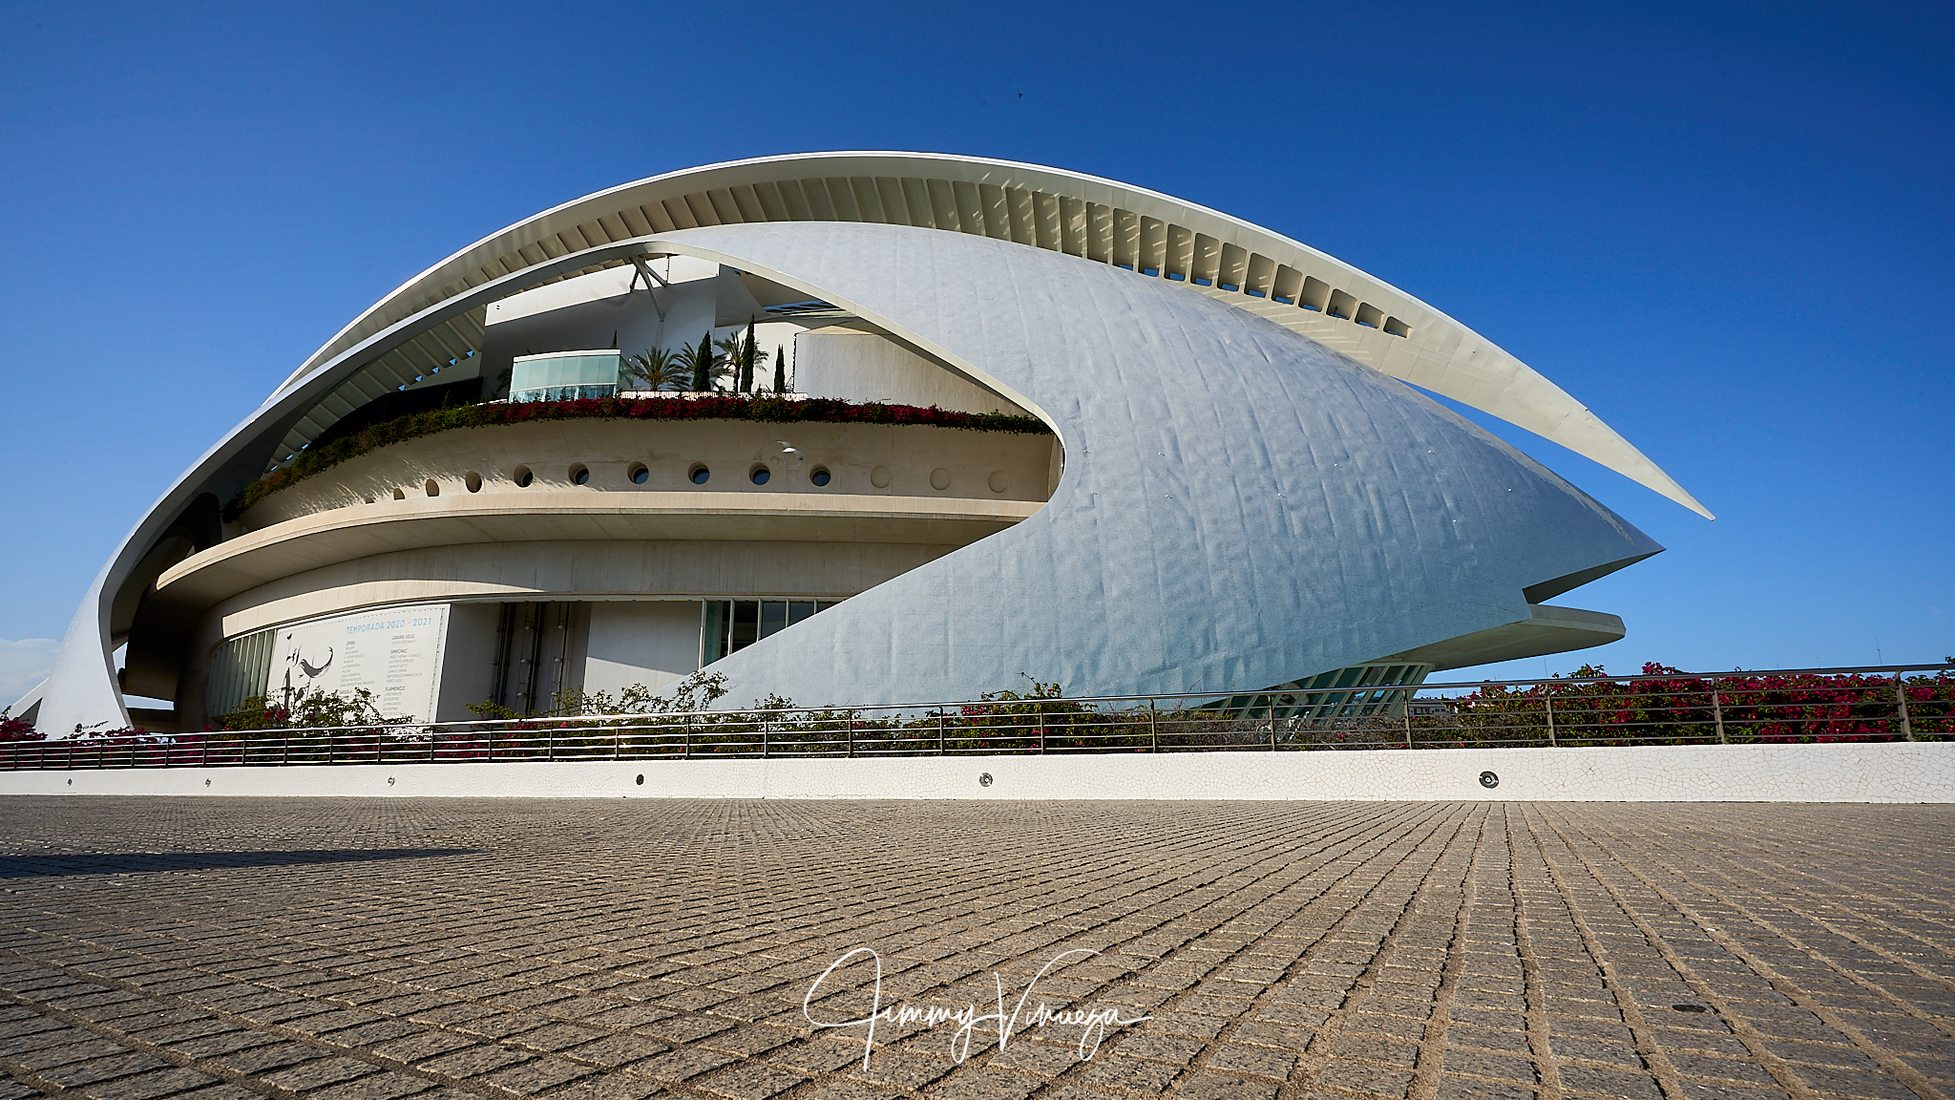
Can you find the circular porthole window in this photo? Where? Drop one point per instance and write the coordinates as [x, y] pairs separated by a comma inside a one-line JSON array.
[[997, 483], [580, 475], [879, 477], [473, 481], [433, 490], [522, 477], [940, 479], [759, 475], [639, 474], [699, 475], [820, 476]]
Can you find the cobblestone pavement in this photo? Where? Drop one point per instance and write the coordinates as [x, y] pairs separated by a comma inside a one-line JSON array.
[[354, 948]]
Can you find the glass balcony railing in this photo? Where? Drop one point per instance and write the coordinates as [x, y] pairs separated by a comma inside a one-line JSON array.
[[565, 375]]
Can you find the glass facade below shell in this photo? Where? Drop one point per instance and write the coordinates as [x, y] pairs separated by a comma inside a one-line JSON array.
[[565, 376], [729, 626]]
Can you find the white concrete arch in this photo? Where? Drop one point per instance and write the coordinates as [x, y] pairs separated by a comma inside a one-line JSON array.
[[1250, 268]]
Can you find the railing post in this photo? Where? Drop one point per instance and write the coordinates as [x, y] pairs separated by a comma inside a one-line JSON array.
[[1041, 721], [1272, 723], [687, 751], [763, 737], [1549, 699], [550, 743], [1405, 711], [285, 750], [1717, 713], [329, 747], [617, 743], [491, 734], [1153, 727], [850, 734], [1900, 698]]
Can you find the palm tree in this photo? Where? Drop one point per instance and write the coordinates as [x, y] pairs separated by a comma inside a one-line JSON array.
[[741, 357], [728, 349], [657, 369], [704, 365]]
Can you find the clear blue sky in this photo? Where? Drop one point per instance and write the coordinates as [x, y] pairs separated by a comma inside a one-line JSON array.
[[1726, 228]]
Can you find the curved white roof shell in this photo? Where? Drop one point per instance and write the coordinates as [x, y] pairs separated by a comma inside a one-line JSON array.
[[1284, 513], [1249, 267]]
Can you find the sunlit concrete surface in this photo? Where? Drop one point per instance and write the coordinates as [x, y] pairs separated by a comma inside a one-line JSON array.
[[213, 948]]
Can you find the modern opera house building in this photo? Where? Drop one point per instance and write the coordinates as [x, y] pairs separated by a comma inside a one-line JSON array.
[[1231, 480]]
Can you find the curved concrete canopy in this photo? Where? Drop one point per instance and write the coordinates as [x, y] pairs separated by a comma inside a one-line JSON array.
[[1249, 267]]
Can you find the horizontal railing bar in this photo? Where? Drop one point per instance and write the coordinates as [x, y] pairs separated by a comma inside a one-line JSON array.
[[1667, 708], [562, 723]]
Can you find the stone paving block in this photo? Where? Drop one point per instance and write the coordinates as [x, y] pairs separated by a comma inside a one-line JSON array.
[[1470, 1088], [475, 1061], [384, 1085], [91, 1071], [682, 1063], [220, 1092], [537, 1075], [152, 1085], [318, 1074], [1599, 1081]]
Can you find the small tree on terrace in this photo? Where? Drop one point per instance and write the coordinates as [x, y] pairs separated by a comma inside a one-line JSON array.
[[742, 357], [657, 369], [702, 363]]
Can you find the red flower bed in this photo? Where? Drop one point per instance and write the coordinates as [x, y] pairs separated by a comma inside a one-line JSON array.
[[766, 408]]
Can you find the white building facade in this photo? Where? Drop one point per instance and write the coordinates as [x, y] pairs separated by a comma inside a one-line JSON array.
[[1218, 474]]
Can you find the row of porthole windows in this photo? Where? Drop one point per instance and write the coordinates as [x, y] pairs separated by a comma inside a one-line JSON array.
[[639, 474], [699, 474]]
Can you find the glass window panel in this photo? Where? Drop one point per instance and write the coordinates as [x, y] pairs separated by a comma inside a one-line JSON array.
[[746, 625], [799, 610], [712, 631], [773, 617]]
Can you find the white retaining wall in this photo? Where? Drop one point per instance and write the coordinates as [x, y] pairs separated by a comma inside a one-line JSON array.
[[1897, 772]]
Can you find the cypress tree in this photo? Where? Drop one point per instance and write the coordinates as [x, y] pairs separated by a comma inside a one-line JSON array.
[[780, 371], [746, 360], [702, 364]]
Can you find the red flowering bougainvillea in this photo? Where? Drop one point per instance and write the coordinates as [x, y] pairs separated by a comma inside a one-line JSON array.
[[1666, 705]]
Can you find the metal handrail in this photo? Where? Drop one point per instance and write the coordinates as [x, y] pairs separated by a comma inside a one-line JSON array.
[[1867, 703]]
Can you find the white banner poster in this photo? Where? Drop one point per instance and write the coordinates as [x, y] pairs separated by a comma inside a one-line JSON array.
[[394, 653]]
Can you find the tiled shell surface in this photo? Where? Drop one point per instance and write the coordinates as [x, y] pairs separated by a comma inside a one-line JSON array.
[[1241, 506]]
